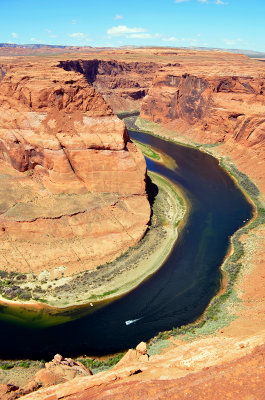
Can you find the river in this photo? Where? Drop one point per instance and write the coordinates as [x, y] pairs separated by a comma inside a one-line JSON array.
[[176, 294]]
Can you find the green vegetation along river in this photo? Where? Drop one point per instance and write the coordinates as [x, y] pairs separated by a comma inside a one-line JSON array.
[[177, 293]]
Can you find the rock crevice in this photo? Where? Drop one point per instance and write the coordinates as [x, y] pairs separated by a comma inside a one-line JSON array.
[[122, 84]]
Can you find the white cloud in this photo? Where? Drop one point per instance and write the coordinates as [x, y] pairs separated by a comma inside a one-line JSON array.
[[123, 30], [218, 2], [171, 39], [140, 36], [233, 42], [187, 41], [181, 1], [132, 33], [50, 33], [14, 34], [78, 35], [143, 36], [34, 40], [117, 16]]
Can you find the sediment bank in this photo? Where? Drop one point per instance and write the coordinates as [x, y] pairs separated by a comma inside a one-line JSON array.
[[130, 269], [226, 306]]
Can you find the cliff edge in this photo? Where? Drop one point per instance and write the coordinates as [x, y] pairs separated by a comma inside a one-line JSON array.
[[73, 185]]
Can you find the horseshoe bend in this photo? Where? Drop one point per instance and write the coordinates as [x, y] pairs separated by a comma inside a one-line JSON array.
[[76, 199]]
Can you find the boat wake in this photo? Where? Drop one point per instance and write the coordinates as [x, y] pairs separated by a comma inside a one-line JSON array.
[[132, 321]]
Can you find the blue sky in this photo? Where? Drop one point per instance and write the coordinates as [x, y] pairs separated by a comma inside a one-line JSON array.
[[210, 23]]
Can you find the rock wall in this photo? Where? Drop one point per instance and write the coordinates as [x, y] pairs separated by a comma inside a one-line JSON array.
[[219, 104], [122, 84], [55, 123], [73, 186], [217, 100]]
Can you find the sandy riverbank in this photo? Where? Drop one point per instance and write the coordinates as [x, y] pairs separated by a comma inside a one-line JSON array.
[[157, 155], [239, 306], [120, 276]]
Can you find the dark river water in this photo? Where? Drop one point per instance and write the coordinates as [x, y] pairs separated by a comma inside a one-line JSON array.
[[175, 295]]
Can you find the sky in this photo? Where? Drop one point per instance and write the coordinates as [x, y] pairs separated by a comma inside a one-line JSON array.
[[179, 23]]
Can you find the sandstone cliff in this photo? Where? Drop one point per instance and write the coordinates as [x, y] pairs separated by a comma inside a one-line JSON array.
[[213, 100], [58, 137], [122, 84], [55, 123], [219, 101]]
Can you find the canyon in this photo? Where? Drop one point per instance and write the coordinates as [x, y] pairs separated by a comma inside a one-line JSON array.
[[122, 84], [211, 98]]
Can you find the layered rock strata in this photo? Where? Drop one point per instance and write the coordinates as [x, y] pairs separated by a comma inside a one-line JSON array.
[[122, 84], [214, 102], [56, 124], [220, 103], [72, 183]]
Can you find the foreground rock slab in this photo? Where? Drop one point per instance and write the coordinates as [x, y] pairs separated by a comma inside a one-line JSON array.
[[206, 369]]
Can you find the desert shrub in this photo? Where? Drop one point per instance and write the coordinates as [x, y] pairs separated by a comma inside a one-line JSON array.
[[24, 364], [94, 364], [6, 366]]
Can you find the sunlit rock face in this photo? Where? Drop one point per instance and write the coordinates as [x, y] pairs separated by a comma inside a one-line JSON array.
[[73, 186], [221, 101], [55, 123], [217, 98], [123, 84]]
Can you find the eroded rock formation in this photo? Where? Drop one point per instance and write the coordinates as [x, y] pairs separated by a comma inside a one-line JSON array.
[[213, 100], [221, 102], [72, 183], [55, 123], [122, 84], [208, 369]]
